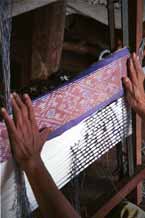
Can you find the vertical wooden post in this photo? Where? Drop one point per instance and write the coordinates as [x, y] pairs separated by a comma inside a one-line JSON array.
[[125, 37], [124, 12], [47, 39], [135, 31], [111, 22]]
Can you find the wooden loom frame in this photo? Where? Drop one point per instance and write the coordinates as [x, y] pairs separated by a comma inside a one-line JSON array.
[[132, 9], [137, 173]]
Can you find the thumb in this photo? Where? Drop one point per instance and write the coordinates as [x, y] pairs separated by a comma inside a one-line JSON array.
[[44, 134]]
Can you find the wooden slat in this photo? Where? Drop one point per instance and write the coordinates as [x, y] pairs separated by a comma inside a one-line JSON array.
[[125, 23], [22, 6], [111, 21], [97, 12], [135, 37], [121, 194], [135, 31]]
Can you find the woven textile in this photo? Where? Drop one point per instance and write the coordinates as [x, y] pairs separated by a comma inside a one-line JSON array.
[[68, 105], [73, 151]]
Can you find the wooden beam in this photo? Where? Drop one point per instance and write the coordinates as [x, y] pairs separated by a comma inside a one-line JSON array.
[[47, 39], [135, 37], [135, 9], [111, 23], [21, 6], [125, 30], [97, 12], [131, 183]]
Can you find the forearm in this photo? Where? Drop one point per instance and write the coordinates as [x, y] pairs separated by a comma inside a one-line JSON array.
[[51, 201]]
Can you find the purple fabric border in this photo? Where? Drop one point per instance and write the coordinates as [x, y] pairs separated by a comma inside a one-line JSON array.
[[108, 60], [72, 123], [94, 67]]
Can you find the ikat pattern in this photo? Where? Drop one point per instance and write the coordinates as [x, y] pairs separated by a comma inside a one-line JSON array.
[[68, 103]]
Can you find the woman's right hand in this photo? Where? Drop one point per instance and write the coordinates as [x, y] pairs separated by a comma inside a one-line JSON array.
[[134, 85]]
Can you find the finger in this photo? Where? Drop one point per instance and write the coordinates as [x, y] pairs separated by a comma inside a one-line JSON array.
[[132, 72], [29, 106], [137, 65], [129, 99], [16, 111], [21, 105], [18, 100], [9, 122], [44, 134], [128, 85]]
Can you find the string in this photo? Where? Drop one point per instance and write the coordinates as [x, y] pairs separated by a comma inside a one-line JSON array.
[[21, 204], [5, 36], [123, 137], [90, 131]]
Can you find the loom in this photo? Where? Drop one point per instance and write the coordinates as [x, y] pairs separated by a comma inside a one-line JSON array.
[[89, 92], [89, 115]]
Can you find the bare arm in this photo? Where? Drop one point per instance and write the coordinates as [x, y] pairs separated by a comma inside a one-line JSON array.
[[26, 144], [51, 201], [134, 85]]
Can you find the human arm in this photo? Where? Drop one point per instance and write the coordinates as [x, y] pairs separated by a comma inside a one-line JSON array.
[[51, 201], [26, 145], [134, 85]]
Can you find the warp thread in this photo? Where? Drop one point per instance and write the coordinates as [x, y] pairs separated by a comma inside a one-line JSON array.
[[90, 140], [21, 204], [5, 35]]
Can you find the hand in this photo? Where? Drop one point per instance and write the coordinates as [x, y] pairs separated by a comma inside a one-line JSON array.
[[26, 144], [135, 86], [25, 139]]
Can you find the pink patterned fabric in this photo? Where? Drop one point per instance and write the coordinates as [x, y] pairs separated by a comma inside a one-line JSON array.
[[4, 143], [69, 102]]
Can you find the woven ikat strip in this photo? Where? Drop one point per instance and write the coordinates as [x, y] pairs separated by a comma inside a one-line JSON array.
[[68, 105]]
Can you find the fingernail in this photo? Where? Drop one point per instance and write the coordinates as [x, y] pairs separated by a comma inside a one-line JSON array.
[[14, 93], [11, 96], [26, 95], [126, 79], [3, 109]]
